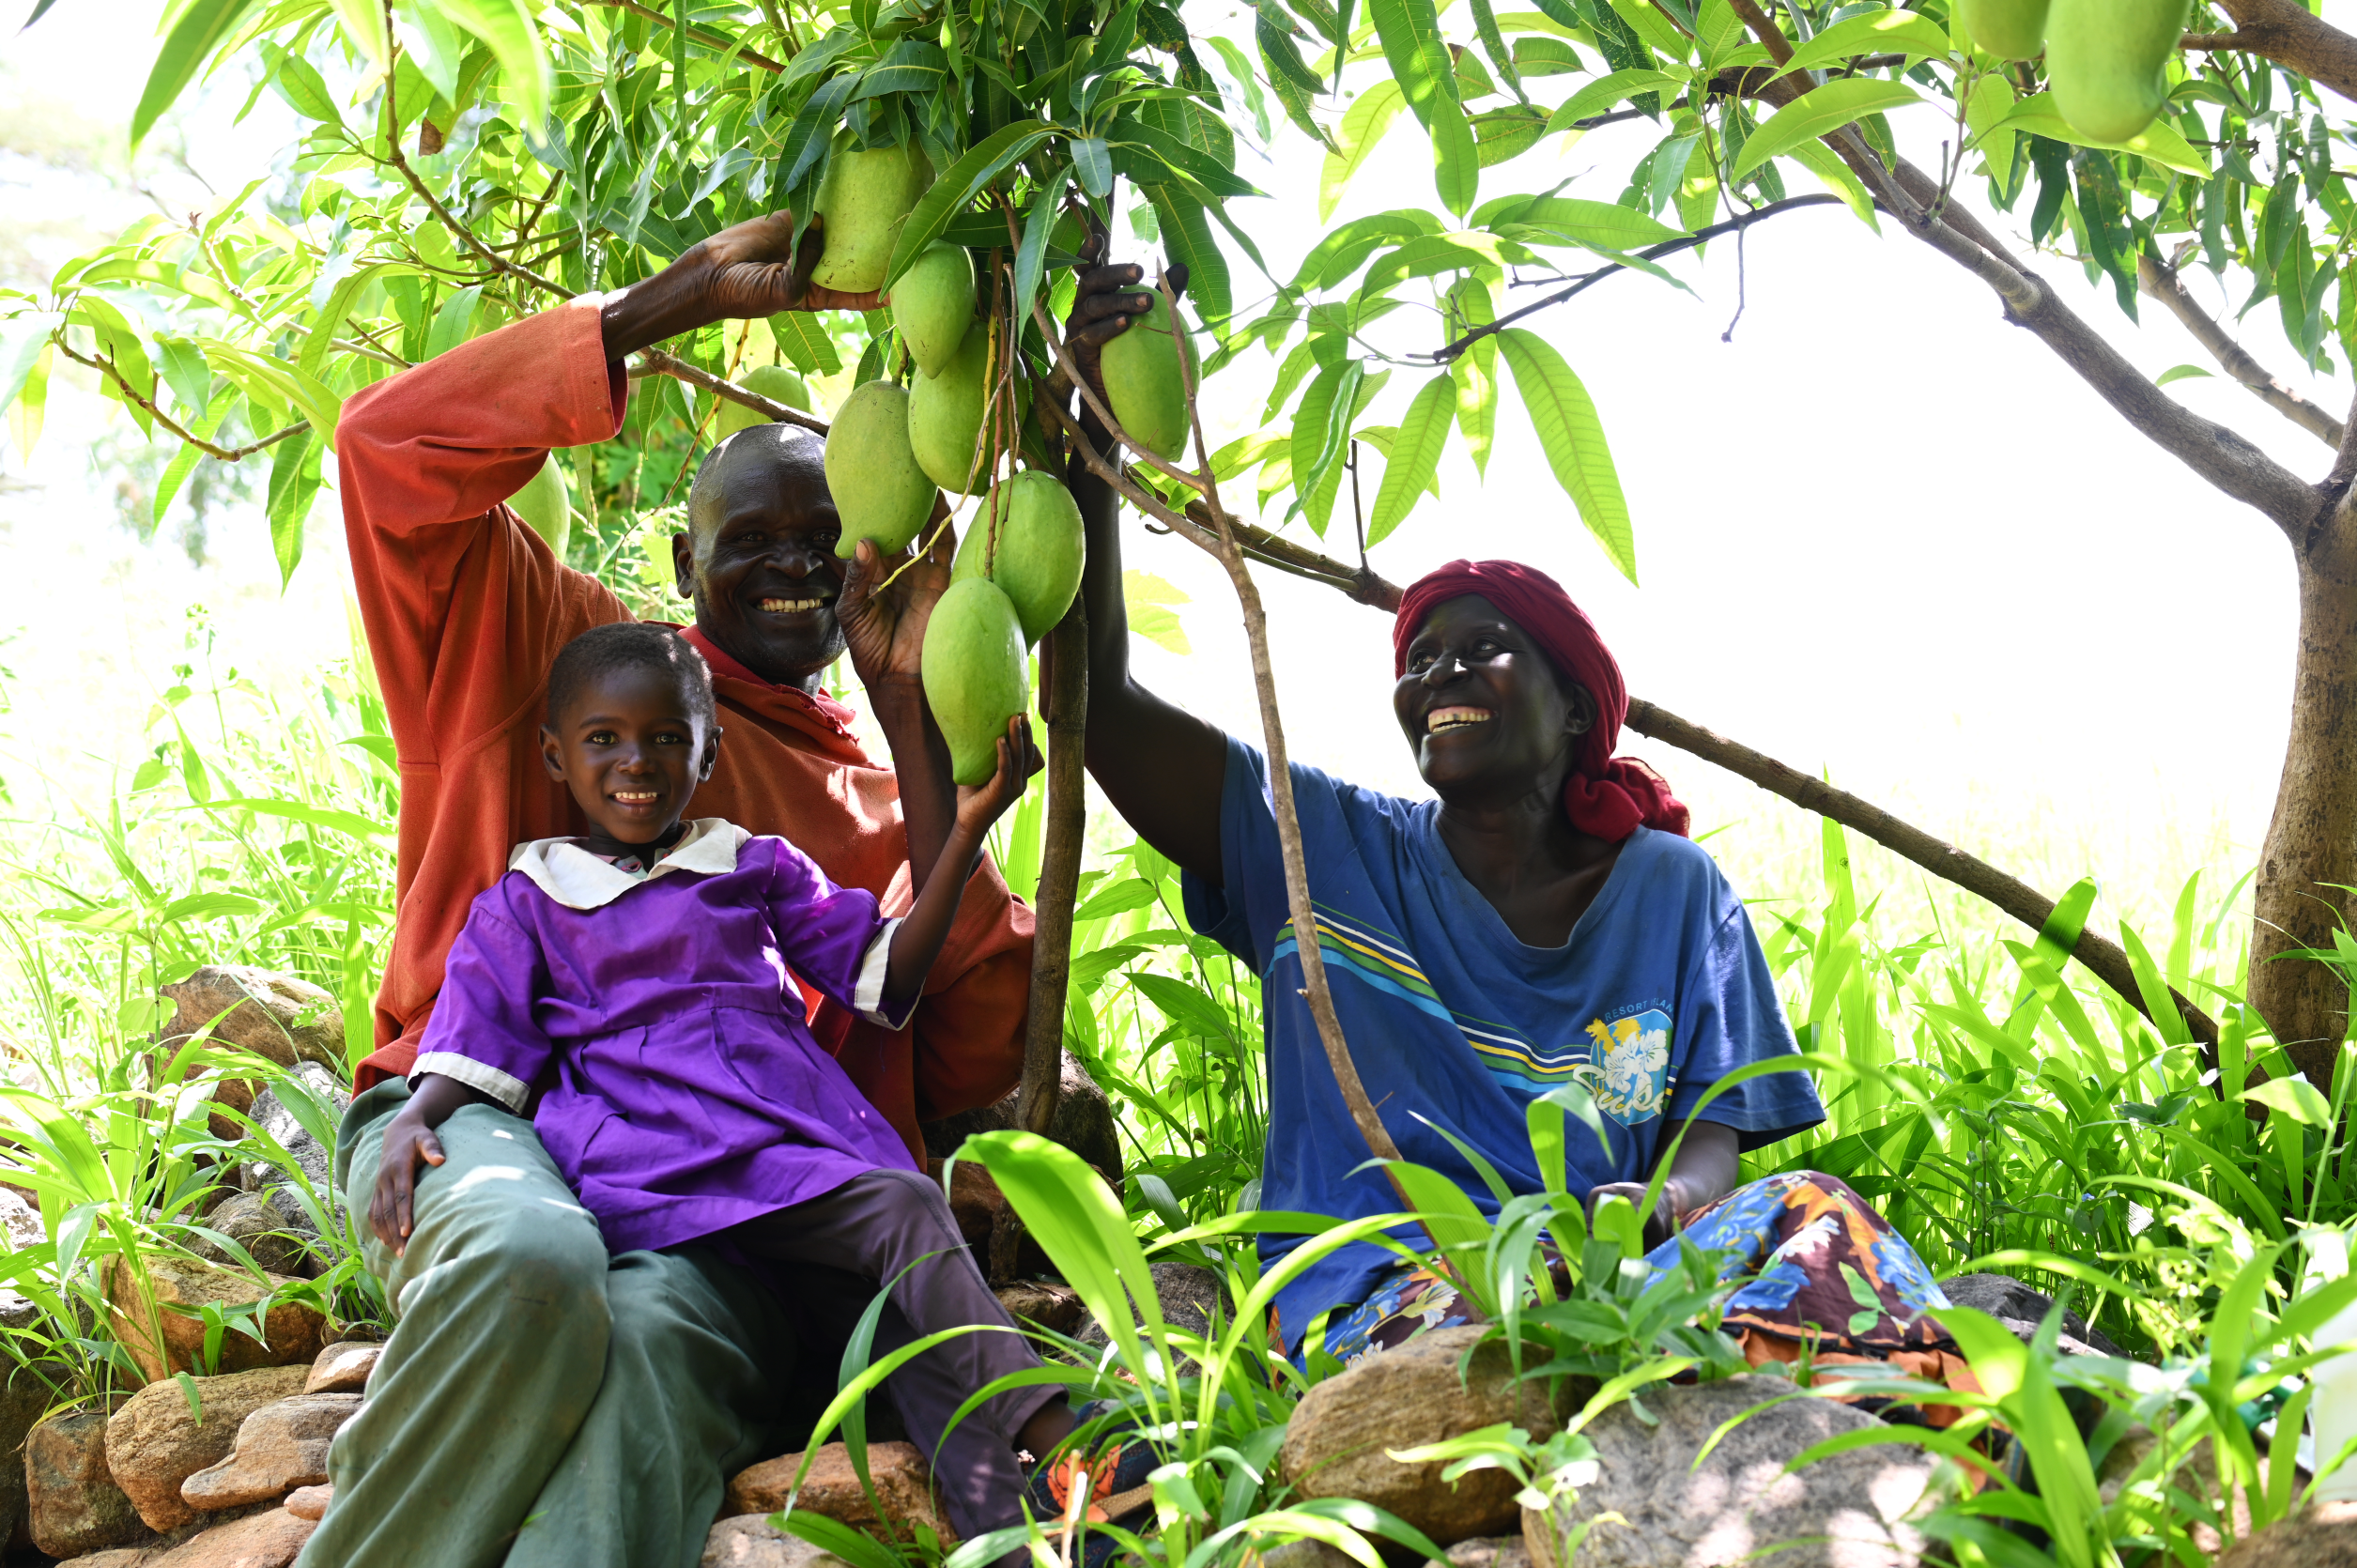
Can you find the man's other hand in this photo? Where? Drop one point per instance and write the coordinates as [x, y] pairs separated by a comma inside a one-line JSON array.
[[883, 627]]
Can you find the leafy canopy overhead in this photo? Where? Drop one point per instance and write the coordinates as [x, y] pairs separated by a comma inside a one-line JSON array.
[[468, 161]]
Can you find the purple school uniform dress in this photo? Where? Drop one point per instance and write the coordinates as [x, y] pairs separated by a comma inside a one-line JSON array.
[[681, 1090]]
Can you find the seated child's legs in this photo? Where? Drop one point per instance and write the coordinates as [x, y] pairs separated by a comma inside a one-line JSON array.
[[876, 1226]]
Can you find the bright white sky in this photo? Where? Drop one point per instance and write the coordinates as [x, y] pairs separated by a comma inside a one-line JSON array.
[[1880, 533]]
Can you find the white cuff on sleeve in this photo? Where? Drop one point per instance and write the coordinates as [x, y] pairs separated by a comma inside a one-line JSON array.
[[866, 993], [506, 1087]]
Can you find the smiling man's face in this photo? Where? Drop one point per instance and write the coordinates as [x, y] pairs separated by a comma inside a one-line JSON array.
[[759, 556]]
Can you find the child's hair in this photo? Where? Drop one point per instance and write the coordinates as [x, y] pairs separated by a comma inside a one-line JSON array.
[[632, 645]]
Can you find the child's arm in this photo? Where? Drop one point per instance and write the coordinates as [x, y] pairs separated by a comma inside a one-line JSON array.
[[916, 940], [410, 1141]]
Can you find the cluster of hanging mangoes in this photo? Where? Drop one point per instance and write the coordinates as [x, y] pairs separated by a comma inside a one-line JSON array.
[[2107, 60], [894, 447]]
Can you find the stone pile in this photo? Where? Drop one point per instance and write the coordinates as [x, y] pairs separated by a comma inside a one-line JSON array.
[[235, 1477]]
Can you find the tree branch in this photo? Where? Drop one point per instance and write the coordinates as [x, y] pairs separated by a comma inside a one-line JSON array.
[[1653, 253], [2285, 32], [227, 454], [654, 362], [2160, 281], [2217, 454]]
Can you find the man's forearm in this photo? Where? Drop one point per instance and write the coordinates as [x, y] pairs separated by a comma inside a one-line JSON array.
[[669, 304], [920, 761]]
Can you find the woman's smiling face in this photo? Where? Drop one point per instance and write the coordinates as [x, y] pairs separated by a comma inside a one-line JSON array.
[[1483, 707]]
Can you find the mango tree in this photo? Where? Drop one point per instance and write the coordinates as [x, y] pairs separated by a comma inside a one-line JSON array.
[[470, 160]]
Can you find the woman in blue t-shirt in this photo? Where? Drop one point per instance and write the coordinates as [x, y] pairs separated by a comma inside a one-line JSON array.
[[1544, 921]]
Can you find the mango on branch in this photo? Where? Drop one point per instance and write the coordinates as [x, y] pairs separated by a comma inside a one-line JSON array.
[[879, 491], [2012, 29], [867, 195], [974, 674], [774, 383], [945, 414], [932, 306], [1143, 381], [546, 505], [1028, 539], [2108, 62]]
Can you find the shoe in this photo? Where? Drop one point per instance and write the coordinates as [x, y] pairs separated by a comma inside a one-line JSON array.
[[1115, 1474]]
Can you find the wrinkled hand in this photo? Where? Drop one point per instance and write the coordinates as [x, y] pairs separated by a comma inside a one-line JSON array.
[[1108, 297], [883, 628], [980, 804], [747, 270], [1659, 1225], [409, 1142]]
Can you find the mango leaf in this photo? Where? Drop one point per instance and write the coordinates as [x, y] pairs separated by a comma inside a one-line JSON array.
[[2180, 373], [363, 23], [1598, 226], [957, 186], [294, 480], [1093, 165], [1363, 123], [1572, 436], [2160, 140], [506, 26], [195, 31], [1819, 112], [1877, 33], [1455, 160], [1606, 91], [23, 341], [1414, 458], [1410, 31], [1475, 370], [297, 81], [808, 345]]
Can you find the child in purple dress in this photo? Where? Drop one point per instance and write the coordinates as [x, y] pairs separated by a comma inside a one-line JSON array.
[[636, 980]]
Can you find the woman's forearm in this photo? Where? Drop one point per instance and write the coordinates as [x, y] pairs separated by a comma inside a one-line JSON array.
[[1705, 1167]]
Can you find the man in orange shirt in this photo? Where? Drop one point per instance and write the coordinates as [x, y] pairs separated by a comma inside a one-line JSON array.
[[541, 1401]]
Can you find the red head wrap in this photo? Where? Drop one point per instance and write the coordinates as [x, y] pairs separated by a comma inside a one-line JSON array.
[[1606, 795]]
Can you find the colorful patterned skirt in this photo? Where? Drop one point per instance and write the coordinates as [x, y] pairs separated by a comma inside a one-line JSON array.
[[1824, 1274]]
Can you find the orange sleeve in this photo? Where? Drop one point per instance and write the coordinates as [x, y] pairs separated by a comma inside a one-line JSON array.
[[968, 1032]]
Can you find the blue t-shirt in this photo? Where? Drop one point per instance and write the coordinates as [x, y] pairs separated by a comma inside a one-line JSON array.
[[1661, 991]]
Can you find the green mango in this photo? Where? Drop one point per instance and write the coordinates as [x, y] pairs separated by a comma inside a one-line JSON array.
[[880, 493], [1039, 550], [546, 506], [774, 383], [1142, 379], [863, 201], [2014, 29], [932, 306], [945, 414], [2107, 62], [974, 674]]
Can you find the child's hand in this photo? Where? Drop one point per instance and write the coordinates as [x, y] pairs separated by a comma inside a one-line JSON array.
[[409, 1142], [983, 804]]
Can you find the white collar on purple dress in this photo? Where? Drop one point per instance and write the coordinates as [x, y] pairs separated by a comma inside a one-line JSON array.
[[578, 879]]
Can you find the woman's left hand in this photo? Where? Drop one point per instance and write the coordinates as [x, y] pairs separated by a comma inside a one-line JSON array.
[[1659, 1225], [883, 627]]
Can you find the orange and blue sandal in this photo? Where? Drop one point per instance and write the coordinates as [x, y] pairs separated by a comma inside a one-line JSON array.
[[1118, 1494]]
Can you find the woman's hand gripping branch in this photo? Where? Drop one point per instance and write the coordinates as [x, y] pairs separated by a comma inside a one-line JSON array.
[[919, 937]]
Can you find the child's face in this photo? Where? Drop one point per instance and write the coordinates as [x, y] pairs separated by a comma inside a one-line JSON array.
[[628, 749]]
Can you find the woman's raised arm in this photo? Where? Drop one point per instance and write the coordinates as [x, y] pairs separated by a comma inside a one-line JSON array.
[[1159, 765]]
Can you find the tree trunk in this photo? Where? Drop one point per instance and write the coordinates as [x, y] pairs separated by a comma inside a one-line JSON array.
[[2312, 843], [1066, 709]]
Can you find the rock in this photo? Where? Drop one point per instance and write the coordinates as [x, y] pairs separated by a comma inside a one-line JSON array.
[[25, 1397], [751, 1541], [902, 1484], [74, 1503], [344, 1368], [1304, 1553], [21, 1220], [270, 1234], [1851, 1510], [2022, 1309], [317, 1160], [2323, 1537], [272, 1539], [154, 1442], [274, 1016], [280, 1447], [1190, 1296], [311, 1502], [1406, 1397], [1049, 1303], [293, 1330], [1083, 1123], [1499, 1551], [975, 1202], [119, 1557]]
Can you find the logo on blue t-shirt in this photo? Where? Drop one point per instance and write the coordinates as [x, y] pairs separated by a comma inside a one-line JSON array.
[[1628, 1065]]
